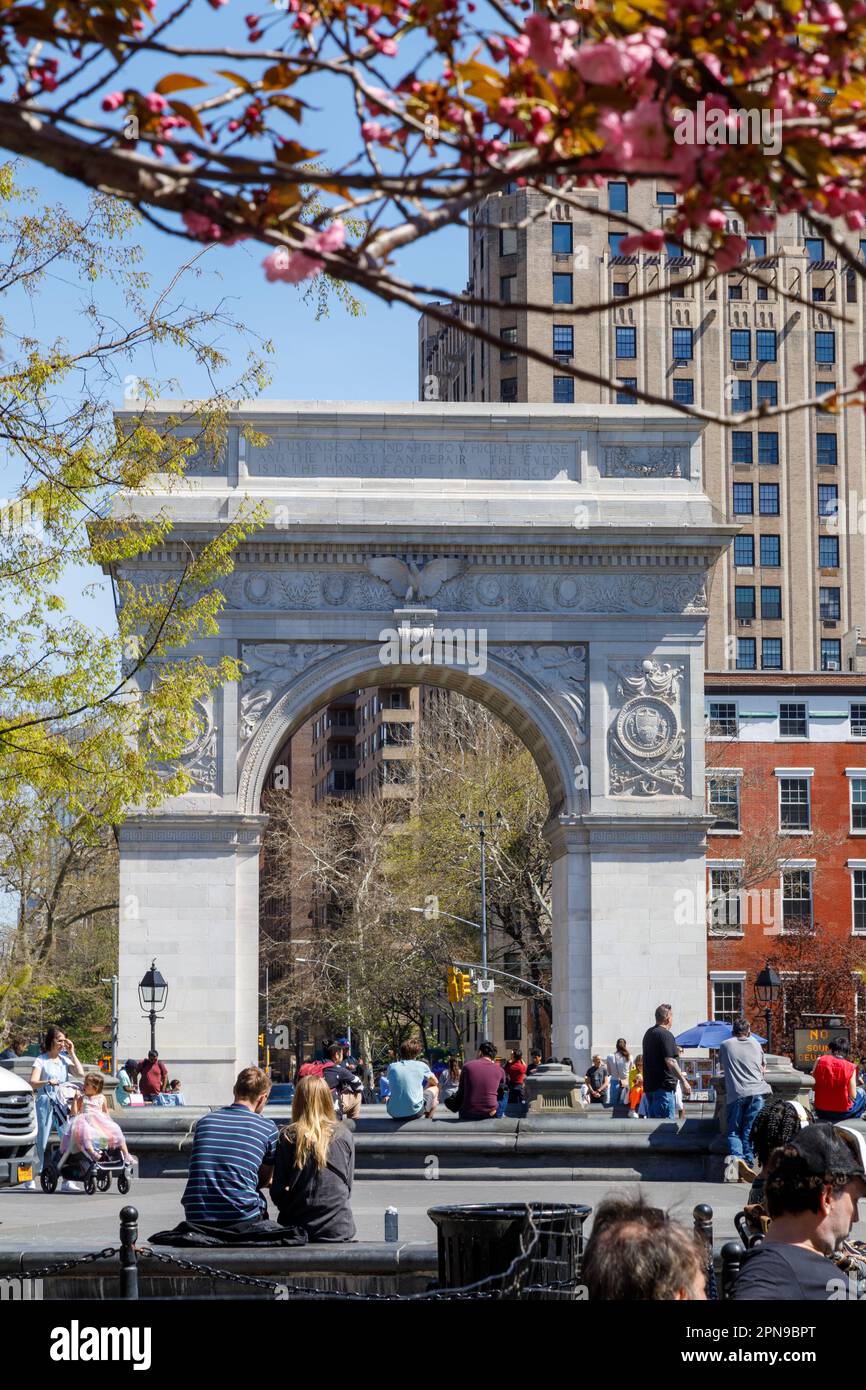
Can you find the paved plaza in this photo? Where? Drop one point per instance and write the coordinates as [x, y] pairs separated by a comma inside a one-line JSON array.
[[75, 1221]]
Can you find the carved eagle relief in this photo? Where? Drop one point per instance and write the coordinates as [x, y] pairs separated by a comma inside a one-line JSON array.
[[408, 581]]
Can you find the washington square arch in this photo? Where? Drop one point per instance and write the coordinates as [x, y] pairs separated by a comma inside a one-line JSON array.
[[576, 544]]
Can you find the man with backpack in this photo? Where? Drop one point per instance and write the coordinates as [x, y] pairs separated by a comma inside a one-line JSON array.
[[346, 1086]]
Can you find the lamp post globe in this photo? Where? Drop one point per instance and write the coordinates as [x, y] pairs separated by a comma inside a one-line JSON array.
[[152, 994]]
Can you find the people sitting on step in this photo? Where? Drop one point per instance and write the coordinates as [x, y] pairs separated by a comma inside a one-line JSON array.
[[232, 1159], [837, 1096], [413, 1089]]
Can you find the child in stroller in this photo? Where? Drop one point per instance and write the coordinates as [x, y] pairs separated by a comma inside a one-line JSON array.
[[91, 1143]]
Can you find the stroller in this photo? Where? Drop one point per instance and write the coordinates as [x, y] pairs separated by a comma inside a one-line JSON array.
[[95, 1175]]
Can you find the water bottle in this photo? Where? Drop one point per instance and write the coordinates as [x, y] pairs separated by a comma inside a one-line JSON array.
[[391, 1224]]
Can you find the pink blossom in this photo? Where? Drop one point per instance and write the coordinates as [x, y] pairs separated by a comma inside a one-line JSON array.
[[155, 103], [652, 240], [333, 238], [373, 130], [601, 63], [730, 253], [113, 101], [518, 49], [217, 4]]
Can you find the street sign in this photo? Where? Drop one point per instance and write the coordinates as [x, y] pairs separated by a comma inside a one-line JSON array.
[[812, 1043], [485, 986]]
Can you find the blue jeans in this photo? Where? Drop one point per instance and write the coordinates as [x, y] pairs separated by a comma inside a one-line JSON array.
[[858, 1105], [741, 1117], [662, 1105], [615, 1094], [46, 1120]]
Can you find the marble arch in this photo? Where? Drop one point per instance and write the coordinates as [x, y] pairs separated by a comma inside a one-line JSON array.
[[578, 541]]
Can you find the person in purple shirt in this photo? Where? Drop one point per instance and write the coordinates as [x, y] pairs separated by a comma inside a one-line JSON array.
[[482, 1085]]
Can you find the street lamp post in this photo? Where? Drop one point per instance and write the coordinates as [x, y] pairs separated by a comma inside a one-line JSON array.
[[152, 994], [768, 987], [482, 840]]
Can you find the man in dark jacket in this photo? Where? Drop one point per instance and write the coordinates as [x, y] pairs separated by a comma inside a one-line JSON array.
[[482, 1085], [346, 1086]]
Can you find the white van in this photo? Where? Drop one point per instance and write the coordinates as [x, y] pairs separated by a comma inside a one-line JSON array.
[[17, 1129]]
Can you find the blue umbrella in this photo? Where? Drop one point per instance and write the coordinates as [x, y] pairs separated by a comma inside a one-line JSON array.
[[712, 1033]]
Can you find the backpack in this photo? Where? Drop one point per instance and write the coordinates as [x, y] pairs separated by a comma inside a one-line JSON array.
[[319, 1069], [313, 1069]]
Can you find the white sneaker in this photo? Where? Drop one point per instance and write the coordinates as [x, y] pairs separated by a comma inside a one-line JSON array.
[[71, 1186], [31, 1186]]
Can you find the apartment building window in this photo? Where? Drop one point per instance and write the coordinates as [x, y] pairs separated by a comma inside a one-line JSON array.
[[850, 285], [819, 294], [626, 342], [858, 721], [684, 390], [768, 394], [562, 238], [746, 654], [512, 1017], [765, 344], [743, 505], [723, 719], [682, 344], [825, 346], [858, 802], [768, 447], [762, 292], [562, 290], [620, 289], [831, 654], [617, 197], [741, 446], [771, 602], [768, 499], [723, 802], [828, 552], [815, 248], [727, 1000], [508, 240], [508, 335], [793, 720], [508, 288], [771, 653], [625, 390], [735, 291], [824, 388], [563, 339], [674, 251], [614, 241], [741, 399], [828, 499], [794, 803], [826, 451], [797, 899], [771, 552], [563, 390], [744, 551], [725, 886], [508, 388], [858, 877], [741, 344], [744, 601], [665, 199], [828, 600]]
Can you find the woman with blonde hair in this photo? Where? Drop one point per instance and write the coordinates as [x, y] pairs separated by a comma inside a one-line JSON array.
[[315, 1165]]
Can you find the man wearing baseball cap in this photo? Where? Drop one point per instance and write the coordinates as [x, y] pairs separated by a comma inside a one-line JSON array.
[[812, 1189]]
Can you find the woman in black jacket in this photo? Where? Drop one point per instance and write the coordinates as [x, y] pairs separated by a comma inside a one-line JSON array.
[[315, 1165]]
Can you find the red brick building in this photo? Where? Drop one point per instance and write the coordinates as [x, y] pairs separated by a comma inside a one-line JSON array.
[[786, 855]]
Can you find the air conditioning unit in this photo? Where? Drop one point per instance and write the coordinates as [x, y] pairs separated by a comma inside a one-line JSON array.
[[831, 573], [744, 622], [563, 356], [740, 366], [829, 622]]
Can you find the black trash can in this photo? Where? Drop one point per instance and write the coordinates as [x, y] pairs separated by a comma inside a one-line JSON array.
[[513, 1249]]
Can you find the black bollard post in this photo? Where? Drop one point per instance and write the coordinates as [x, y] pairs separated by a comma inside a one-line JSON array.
[[703, 1219], [128, 1259], [733, 1255]]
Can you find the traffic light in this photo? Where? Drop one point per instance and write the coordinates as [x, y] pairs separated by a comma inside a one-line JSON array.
[[453, 991], [261, 1040], [464, 983]]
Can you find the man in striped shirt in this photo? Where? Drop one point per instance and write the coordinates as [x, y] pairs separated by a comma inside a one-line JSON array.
[[233, 1155]]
